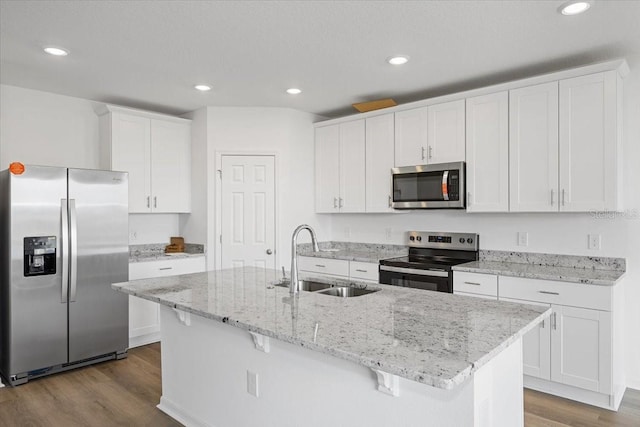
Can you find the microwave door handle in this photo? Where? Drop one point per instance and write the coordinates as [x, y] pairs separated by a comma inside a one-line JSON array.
[[445, 185]]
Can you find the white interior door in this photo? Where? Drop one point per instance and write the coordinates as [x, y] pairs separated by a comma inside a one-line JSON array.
[[248, 211]]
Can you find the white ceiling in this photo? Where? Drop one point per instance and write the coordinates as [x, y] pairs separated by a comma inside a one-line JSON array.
[[149, 54]]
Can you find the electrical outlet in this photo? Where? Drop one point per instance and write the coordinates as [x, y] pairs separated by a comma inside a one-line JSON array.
[[252, 383], [133, 236], [523, 238], [387, 232], [594, 242]]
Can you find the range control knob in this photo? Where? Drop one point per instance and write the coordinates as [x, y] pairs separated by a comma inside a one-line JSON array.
[[469, 240], [412, 238], [419, 238], [462, 240]]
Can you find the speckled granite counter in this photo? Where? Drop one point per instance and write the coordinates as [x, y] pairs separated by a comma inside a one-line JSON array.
[[350, 251], [432, 338], [155, 252], [565, 268]]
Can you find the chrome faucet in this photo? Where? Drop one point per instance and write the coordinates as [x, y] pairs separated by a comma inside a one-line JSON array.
[[294, 285]]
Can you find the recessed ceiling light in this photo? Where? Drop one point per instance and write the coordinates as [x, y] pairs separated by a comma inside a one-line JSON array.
[[398, 60], [294, 91], [202, 88], [574, 7], [56, 51]]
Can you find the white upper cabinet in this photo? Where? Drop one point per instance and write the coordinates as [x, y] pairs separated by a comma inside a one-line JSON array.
[[340, 167], [379, 161], [327, 174], [533, 148], [352, 167], [156, 152], [446, 129], [488, 153], [411, 137], [590, 142]]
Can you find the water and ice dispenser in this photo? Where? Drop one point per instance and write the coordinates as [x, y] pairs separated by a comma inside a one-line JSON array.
[[39, 255]]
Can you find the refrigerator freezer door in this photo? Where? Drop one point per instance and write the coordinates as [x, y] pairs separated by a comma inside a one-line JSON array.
[[34, 321], [98, 217]]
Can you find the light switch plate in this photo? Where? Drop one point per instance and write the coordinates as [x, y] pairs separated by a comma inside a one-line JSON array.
[[252, 383]]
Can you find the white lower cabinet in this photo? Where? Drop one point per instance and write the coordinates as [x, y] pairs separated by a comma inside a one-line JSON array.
[[572, 353], [144, 317], [357, 270]]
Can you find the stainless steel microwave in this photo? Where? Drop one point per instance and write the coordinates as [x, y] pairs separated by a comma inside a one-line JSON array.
[[438, 186]]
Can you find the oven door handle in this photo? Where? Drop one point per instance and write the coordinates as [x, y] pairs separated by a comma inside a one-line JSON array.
[[438, 273]]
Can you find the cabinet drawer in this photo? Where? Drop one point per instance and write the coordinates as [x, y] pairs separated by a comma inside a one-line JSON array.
[[324, 265], [363, 270], [491, 297], [475, 283], [553, 292], [163, 268]]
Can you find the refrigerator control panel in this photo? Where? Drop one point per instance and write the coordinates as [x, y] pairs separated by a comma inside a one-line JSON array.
[[39, 255]]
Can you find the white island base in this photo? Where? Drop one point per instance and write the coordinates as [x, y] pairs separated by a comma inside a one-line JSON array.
[[207, 365]]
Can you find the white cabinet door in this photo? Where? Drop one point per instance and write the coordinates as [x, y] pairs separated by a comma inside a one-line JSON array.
[[446, 142], [130, 152], [327, 184], [536, 346], [588, 143], [533, 148], [487, 140], [170, 166], [411, 137], [352, 167], [581, 343], [379, 161]]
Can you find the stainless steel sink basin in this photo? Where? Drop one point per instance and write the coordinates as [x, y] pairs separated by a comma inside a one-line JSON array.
[[307, 285], [347, 291]]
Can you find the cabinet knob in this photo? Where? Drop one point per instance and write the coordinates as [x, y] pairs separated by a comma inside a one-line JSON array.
[[269, 251]]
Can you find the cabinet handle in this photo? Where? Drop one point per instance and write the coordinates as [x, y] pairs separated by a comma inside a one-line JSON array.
[[473, 283], [563, 197], [542, 325], [555, 320], [422, 153], [361, 271], [552, 197], [468, 198], [155, 202], [548, 292], [148, 202], [340, 204], [389, 201], [321, 266], [165, 268], [430, 152], [335, 202]]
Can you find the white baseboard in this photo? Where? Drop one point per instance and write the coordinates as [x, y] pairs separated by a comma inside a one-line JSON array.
[[569, 392], [144, 339], [169, 408], [634, 385]]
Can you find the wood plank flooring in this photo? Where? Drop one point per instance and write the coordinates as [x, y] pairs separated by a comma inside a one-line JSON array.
[[126, 392]]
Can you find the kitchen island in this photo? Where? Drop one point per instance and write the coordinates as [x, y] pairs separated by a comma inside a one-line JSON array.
[[238, 351]]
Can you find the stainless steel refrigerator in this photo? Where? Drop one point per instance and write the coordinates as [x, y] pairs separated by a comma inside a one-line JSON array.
[[64, 241]]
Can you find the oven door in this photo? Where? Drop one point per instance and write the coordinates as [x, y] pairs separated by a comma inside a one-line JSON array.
[[430, 280], [428, 186]]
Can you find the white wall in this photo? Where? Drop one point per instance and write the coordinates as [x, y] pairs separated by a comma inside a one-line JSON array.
[[550, 233], [46, 129], [285, 132]]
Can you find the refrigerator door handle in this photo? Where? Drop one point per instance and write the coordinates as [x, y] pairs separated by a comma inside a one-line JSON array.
[[64, 249], [73, 234]]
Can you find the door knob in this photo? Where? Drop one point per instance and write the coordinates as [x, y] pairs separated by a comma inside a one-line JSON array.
[[269, 251]]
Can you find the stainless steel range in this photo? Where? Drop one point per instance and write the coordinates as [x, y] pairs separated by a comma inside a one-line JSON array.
[[431, 256]]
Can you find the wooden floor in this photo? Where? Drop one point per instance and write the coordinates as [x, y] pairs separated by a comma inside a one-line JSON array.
[[126, 392]]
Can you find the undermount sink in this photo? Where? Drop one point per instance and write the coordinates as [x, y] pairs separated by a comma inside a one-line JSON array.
[[307, 285], [347, 291], [328, 289]]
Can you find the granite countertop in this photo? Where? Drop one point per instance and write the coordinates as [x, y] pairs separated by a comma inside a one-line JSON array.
[[350, 251], [433, 338], [146, 257], [565, 268], [155, 252]]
